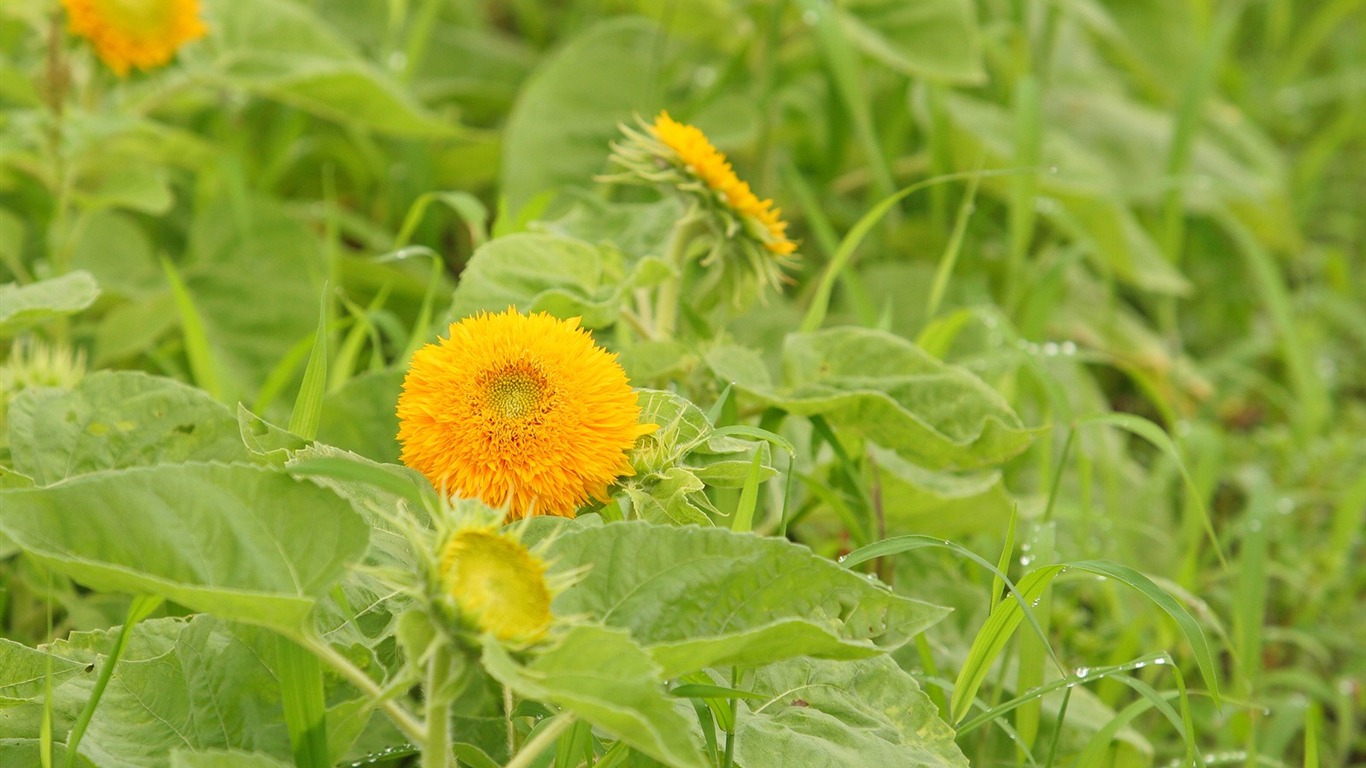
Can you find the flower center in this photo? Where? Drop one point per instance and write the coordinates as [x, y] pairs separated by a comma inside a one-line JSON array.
[[514, 392], [138, 16]]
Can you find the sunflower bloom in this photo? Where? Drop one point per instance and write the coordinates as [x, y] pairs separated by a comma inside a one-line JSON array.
[[135, 33], [698, 157], [519, 410], [497, 584]]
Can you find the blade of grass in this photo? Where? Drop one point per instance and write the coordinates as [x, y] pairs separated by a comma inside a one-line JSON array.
[[308, 406], [140, 608], [749, 497], [1003, 563], [1002, 622], [203, 365], [1311, 394], [1067, 681], [1024, 188], [305, 709], [820, 299], [1032, 649], [1159, 439], [1313, 724], [1190, 115], [949, 258], [842, 63], [1249, 600], [466, 206]]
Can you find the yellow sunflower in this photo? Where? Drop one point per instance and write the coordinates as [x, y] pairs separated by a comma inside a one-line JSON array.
[[697, 156], [135, 33], [498, 585], [519, 410]]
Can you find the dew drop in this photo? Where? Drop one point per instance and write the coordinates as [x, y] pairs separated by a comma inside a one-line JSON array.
[[1069, 348], [1083, 671], [1026, 559], [1051, 349]]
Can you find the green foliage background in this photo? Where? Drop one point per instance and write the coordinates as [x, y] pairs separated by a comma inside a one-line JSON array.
[[1072, 348]]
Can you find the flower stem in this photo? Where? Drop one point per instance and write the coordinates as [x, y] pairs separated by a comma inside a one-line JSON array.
[[403, 719], [543, 740], [676, 254], [436, 750]]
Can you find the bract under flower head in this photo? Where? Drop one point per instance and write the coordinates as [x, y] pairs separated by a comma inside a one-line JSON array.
[[522, 411], [135, 33], [497, 584]]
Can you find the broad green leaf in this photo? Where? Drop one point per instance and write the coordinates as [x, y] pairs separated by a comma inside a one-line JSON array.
[[116, 420], [535, 272], [560, 129], [257, 257], [886, 389], [931, 38], [117, 252], [344, 91], [224, 758], [603, 676], [237, 541], [24, 672], [190, 685], [360, 416], [940, 503], [24, 305], [26, 751], [286, 52], [269, 443], [142, 188], [866, 712], [635, 229], [699, 597]]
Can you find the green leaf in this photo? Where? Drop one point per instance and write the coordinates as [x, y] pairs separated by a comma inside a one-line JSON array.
[[190, 685], [560, 129], [867, 712], [360, 415], [117, 252], [237, 541], [699, 597], [604, 677], [354, 92], [936, 39], [24, 672], [939, 503], [535, 272], [116, 420], [286, 52], [308, 405], [24, 305], [886, 389], [260, 257], [224, 758]]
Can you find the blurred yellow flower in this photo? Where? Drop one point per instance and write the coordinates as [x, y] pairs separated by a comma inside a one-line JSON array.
[[135, 33], [497, 584], [697, 156], [519, 410]]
